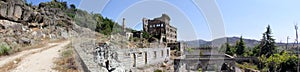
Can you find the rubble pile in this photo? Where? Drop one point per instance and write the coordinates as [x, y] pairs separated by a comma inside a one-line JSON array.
[[106, 57]]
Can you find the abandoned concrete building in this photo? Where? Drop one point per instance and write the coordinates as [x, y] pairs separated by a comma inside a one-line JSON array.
[[161, 28], [126, 33], [206, 59], [126, 60]]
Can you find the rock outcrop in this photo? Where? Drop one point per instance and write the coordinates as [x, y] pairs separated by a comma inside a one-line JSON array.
[[21, 24]]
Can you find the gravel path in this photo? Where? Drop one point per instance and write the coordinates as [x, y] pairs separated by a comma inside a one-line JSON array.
[[42, 61]]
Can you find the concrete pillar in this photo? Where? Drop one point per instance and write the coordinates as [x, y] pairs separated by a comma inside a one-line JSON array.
[[123, 25]]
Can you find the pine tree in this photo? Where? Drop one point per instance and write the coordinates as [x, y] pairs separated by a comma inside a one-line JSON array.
[[268, 47], [229, 49], [240, 47]]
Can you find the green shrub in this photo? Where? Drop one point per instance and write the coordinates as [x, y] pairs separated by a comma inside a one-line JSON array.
[[4, 49], [71, 15], [158, 70]]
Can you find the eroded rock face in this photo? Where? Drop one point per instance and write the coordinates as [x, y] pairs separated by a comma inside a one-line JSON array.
[[17, 11], [21, 24], [3, 9]]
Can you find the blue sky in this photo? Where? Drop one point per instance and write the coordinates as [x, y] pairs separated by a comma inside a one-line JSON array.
[[246, 18]]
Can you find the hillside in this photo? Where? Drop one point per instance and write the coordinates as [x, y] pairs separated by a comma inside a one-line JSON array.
[[23, 25], [232, 40]]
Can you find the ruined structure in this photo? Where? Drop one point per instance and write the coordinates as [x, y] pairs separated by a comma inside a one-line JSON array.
[[160, 28], [206, 59], [125, 60], [125, 33]]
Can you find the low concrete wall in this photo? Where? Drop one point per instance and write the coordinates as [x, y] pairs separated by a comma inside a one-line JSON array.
[[128, 59], [140, 57], [84, 51]]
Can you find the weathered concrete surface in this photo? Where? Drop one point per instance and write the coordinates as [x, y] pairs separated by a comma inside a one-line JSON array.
[[206, 59], [109, 58], [84, 48], [141, 57]]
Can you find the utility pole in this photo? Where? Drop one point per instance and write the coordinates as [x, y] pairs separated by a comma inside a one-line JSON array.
[[287, 42], [297, 49]]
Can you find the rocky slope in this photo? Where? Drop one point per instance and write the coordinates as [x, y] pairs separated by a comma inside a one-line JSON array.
[[23, 25]]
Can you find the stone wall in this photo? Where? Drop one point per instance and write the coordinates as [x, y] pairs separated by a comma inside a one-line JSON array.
[[141, 57]]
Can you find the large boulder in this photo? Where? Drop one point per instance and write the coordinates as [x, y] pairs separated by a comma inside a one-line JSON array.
[[24, 40], [10, 11], [3, 9], [17, 12], [27, 13]]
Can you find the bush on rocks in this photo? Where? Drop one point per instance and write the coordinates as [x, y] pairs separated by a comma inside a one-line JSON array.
[[4, 49]]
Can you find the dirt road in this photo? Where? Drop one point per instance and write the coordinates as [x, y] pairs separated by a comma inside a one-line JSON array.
[[36, 60]]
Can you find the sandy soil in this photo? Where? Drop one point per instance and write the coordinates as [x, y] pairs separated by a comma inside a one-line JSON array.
[[36, 60]]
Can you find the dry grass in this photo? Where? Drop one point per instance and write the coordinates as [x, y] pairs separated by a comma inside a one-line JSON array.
[[35, 46], [66, 63], [13, 64], [10, 65], [56, 41]]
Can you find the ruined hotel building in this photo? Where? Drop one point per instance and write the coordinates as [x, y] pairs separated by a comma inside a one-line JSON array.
[[160, 27]]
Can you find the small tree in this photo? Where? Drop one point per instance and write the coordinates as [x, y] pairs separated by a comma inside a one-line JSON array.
[[268, 47], [146, 35], [229, 49], [240, 47], [73, 6]]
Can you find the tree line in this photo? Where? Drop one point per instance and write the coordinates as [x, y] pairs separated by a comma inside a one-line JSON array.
[[270, 58]]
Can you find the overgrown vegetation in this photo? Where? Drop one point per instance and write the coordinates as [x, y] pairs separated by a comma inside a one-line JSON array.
[[247, 65], [4, 49], [158, 70], [66, 63], [93, 21], [270, 59]]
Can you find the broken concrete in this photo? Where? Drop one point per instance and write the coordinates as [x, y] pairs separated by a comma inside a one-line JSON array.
[[129, 59]]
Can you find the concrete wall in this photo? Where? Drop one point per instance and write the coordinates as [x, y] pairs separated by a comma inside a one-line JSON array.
[[140, 57]]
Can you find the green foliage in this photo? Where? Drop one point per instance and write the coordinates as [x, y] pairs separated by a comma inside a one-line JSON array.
[[255, 51], [67, 53], [240, 46], [248, 52], [146, 35], [56, 4], [200, 70], [71, 15], [189, 49], [158, 70], [247, 65], [82, 18], [4, 49], [106, 27], [72, 6], [268, 47], [280, 62], [229, 49]]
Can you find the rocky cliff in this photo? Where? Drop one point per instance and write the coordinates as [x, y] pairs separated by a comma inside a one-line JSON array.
[[21, 24]]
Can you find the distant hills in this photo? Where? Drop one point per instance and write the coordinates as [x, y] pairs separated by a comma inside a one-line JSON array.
[[232, 40]]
